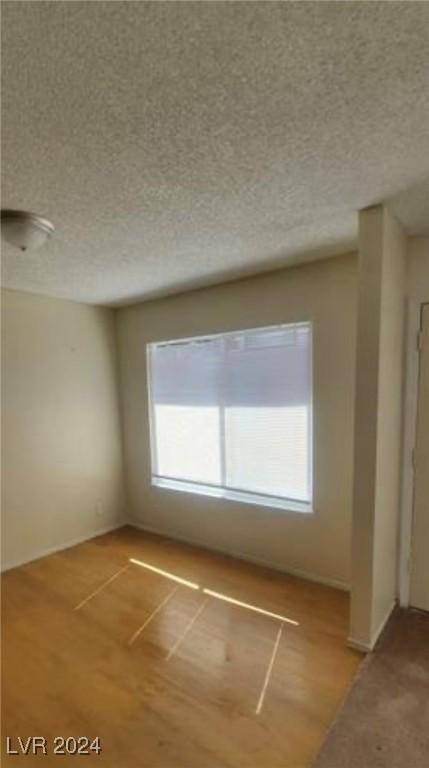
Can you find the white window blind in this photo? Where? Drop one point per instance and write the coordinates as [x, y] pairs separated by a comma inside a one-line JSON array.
[[233, 412]]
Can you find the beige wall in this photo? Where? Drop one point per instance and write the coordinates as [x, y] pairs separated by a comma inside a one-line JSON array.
[[61, 457], [418, 269], [317, 545], [378, 416], [417, 288], [389, 422]]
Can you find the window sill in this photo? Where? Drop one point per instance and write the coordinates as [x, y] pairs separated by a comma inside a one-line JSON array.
[[241, 496]]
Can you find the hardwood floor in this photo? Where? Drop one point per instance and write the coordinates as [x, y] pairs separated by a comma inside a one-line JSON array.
[[167, 675]]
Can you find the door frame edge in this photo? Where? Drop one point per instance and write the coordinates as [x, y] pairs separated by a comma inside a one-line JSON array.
[[410, 401]]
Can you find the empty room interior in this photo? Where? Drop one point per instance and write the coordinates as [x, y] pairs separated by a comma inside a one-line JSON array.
[[215, 384]]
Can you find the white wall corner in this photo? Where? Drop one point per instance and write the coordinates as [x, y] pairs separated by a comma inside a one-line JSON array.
[[367, 646], [60, 547], [378, 422]]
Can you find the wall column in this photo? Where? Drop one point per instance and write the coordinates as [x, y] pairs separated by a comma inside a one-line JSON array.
[[382, 248]]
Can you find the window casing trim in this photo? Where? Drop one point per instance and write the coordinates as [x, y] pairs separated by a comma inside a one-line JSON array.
[[224, 492], [219, 334], [220, 492]]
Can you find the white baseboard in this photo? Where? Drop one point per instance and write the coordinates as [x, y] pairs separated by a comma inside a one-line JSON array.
[[60, 547], [243, 556], [383, 623], [365, 647], [337, 584], [359, 645]]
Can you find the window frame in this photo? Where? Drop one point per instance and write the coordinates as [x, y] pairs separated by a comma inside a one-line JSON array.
[[223, 491]]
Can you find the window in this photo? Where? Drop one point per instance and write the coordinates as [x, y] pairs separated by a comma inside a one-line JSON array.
[[231, 415]]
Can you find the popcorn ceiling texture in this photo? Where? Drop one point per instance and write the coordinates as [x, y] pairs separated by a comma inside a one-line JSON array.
[[181, 144]]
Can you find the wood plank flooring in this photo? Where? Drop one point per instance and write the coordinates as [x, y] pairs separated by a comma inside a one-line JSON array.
[[167, 675]]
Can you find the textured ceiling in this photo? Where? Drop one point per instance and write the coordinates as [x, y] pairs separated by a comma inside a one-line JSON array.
[[181, 144]]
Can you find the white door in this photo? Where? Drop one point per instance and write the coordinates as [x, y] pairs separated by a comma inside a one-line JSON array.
[[420, 544]]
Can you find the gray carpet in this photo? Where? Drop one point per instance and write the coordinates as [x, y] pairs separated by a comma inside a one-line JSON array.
[[384, 722]]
